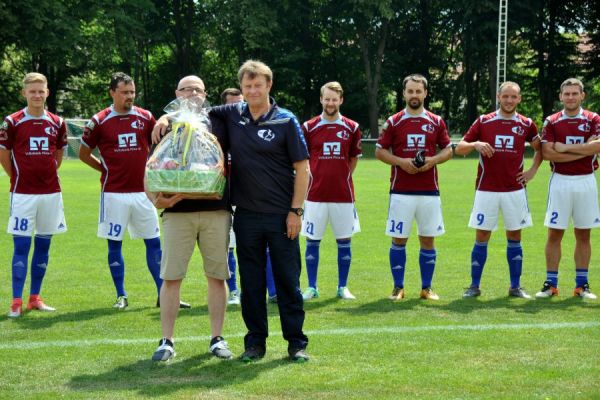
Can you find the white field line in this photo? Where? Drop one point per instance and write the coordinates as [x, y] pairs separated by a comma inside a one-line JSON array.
[[324, 332]]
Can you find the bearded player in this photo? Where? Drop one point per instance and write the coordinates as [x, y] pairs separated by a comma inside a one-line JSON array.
[[334, 146], [32, 142], [500, 138], [414, 191], [122, 133]]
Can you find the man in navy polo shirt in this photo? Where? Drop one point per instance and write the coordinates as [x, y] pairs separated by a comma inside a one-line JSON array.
[[269, 180]]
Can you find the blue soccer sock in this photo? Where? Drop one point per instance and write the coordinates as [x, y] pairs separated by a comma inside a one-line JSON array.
[[153, 257], [22, 244], [344, 260], [427, 264], [231, 284], [581, 276], [514, 256], [478, 258], [117, 266], [312, 261], [39, 262], [271, 290], [398, 263], [552, 277]]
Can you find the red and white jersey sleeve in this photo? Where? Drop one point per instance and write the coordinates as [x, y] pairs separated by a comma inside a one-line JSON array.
[[507, 136], [33, 142], [561, 128], [404, 135], [123, 142], [331, 146]]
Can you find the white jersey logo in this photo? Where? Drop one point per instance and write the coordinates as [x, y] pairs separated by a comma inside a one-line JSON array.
[[574, 139], [127, 140], [585, 127], [332, 149], [38, 144], [427, 128], [504, 142], [415, 140], [137, 124], [266, 134], [50, 131], [343, 135], [518, 130]]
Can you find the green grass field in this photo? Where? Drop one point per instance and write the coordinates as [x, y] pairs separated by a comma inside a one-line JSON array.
[[489, 347]]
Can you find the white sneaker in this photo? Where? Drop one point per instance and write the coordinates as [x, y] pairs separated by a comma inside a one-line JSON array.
[[234, 298], [165, 351], [344, 293], [584, 292], [310, 293]]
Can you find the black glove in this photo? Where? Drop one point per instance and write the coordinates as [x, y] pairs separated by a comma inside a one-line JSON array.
[[419, 159]]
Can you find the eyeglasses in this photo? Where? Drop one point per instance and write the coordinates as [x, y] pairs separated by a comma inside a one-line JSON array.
[[191, 89]]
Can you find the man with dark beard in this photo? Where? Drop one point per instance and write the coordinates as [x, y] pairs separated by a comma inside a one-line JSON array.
[[499, 138], [334, 146], [414, 190]]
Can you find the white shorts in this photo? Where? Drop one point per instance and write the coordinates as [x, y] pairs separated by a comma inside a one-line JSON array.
[[133, 211], [488, 205], [342, 216], [404, 208], [572, 196], [39, 213]]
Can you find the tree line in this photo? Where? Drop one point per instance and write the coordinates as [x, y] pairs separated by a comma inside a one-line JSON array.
[[369, 46]]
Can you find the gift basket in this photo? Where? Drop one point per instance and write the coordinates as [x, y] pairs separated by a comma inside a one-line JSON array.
[[189, 159]]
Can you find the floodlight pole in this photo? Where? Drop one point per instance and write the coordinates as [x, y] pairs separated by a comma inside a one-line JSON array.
[[501, 58]]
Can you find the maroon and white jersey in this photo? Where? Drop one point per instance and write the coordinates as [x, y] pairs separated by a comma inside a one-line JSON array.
[[507, 136], [331, 145], [403, 135], [561, 128], [123, 141], [33, 142]]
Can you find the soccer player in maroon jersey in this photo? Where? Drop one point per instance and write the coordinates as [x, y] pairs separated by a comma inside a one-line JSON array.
[[32, 142], [414, 190], [569, 143], [121, 133], [334, 146], [499, 138]]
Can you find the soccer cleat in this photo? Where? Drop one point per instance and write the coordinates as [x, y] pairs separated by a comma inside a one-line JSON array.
[[344, 293], [547, 291], [518, 292], [253, 353], [165, 350], [428, 294], [218, 347], [16, 308], [584, 292], [310, 293], [298, 355], [272, 299], [234, 298], [121, 303], [397, 293], [182, 304], [472, 291], [36, 303]]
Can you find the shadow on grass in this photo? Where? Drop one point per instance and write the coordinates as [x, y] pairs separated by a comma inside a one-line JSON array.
[[466, 306], [29, 320], [153, 379]]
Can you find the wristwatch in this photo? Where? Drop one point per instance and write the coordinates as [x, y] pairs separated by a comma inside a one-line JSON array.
[[298, 211]]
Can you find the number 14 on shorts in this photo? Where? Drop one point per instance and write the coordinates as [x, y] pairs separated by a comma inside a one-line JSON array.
[[396, 227]]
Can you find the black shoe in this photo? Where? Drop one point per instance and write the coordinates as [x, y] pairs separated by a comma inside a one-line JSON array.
[[182, 304], [253, 353], [298, 355]]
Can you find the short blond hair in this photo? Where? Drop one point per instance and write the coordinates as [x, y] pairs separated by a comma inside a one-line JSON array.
[[572, 82], [254, 68], [34, 77], [333, 86], [508, 84]]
